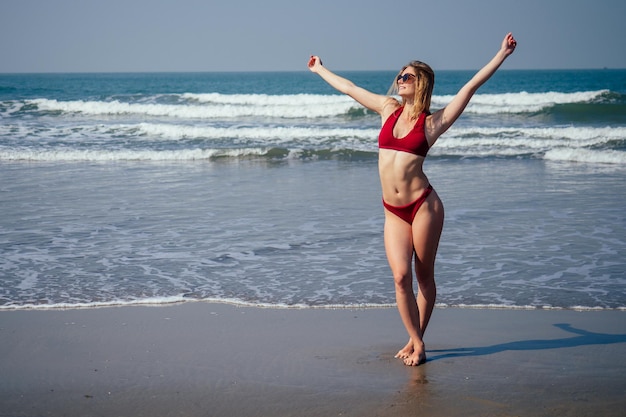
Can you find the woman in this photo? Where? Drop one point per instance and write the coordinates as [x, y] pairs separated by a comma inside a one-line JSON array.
[[413, 211]]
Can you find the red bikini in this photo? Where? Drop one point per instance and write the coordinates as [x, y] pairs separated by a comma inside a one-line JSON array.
[[414, 142], [407, 213]]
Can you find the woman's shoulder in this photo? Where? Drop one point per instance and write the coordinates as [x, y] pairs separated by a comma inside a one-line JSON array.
[[390, 106]]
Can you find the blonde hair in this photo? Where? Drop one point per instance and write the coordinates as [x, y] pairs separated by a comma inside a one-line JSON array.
[[424, 83]]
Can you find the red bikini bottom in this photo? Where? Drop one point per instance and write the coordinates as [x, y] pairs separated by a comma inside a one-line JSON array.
[[407, 213]]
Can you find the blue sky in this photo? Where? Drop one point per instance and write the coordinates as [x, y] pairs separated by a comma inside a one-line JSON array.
[[279, 35]]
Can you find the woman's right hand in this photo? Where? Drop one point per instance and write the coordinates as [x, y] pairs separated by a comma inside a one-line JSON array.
[[508, 44], [374, 102]]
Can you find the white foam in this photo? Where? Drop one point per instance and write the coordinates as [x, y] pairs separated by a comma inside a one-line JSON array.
[[522, 102], [269, 100], [586, 155], [223, 106], [154, 301], [584, 144], [235, 108], [125, 155], [592, 135], [286, 133], [180, 299], [577, 144]]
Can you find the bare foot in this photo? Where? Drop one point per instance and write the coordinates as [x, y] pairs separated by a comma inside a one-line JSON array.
[[406, 351], [415, 359]]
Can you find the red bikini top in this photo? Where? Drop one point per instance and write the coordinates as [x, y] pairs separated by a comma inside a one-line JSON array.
[[415, 142]]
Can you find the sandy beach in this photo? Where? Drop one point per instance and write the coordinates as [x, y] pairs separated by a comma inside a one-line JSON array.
[[203, 359]]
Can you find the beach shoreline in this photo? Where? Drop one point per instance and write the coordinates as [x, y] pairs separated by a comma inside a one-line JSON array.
[[210, 359]]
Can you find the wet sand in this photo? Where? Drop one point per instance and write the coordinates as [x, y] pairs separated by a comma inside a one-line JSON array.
[[203, 359]]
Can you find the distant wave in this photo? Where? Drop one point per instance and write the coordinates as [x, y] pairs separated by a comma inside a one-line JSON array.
[[559, 154], [521, 102], [225, 106], [536, 137], [186, 127], [200, 107], [576, 144], [152, 131], [103, 155], [180, 142], [585, 155]]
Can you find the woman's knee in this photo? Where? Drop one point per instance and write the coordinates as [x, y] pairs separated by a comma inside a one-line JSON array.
[[425, 274], [403, 280]]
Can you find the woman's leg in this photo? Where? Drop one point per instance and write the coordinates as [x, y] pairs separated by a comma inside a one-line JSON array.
[[399, 249], [427, 228]]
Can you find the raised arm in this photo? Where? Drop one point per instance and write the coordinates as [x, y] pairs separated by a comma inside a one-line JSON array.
[[372, 101], [444, 118]]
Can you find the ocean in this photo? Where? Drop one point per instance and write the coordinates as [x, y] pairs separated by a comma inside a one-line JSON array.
[[262, 189]]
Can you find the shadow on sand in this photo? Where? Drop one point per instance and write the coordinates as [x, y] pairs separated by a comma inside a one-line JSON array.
[[584, 338]]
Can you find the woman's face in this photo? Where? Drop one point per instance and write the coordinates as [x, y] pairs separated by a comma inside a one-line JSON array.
[[406, 82]]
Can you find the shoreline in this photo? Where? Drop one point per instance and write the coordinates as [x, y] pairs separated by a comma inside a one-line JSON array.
[[179, 300], [216, 359]]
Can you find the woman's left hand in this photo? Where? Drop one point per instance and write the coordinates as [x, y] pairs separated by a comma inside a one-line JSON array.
[[314, 63]]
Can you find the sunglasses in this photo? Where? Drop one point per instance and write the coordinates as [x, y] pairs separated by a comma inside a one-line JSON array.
[[406, 78]]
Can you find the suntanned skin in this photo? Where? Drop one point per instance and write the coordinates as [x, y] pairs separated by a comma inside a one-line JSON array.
[[403, 181]]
